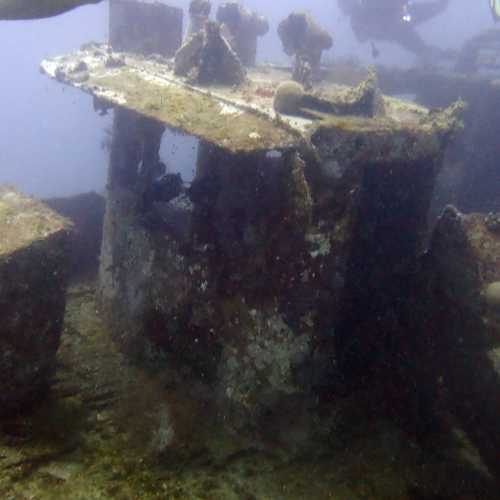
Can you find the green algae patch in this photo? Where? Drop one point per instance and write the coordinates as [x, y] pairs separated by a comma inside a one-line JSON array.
[[199, 114], [34, 255], [23, 221], [359, 124]]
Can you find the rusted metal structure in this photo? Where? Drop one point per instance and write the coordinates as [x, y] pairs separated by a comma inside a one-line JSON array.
[[267, 270], [34, 262]]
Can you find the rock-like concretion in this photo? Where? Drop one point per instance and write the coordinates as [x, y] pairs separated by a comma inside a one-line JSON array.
[[460, 327], [207, 58], [242, 28], [304, 39], [34, 257]]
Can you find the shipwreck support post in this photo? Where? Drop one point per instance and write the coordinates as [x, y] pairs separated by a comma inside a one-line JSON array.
[[34, 262], [253, 212], [227, 291], [381, 183], [134, 157], [141, 28]]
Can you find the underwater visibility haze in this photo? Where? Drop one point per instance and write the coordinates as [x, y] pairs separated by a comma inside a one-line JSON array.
[[250, 250]]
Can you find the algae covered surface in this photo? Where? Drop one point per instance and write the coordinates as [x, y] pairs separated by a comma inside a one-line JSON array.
[[238, 118], [23, 221], [197, 114], [110, 430]]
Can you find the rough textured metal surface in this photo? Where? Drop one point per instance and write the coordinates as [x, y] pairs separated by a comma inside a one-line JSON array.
[[240, 279], [459, 330], [239, 118], [34, 257], [24, 221]]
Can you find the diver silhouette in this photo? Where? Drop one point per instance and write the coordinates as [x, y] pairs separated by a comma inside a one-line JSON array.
[[393, 21]]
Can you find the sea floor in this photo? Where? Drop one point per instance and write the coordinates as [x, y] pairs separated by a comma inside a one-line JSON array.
[[109, 430]]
